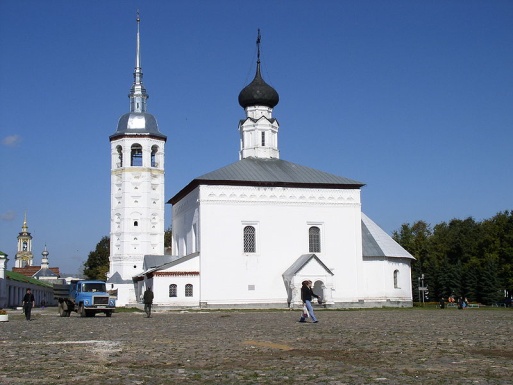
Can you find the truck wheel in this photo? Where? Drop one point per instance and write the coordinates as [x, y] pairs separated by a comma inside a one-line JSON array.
[[108, 314], [62, 312], [82, 311]]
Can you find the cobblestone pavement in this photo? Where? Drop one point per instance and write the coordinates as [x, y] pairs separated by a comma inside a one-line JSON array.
[[399, 346]]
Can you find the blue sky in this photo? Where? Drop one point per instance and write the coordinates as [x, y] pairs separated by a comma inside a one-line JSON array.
[[413, 98]]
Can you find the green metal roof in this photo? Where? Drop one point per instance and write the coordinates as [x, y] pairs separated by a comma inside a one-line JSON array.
[[22, 278]]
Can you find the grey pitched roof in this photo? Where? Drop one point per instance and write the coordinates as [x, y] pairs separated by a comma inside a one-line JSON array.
[[377, 243], [271, 173], [166, 261], [151, 261], [116, 278], [45, 273], [300, 263]]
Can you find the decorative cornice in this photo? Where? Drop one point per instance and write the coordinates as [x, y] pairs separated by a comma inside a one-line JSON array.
[[173, 274], [279, 195], [271, 121], [117, 136]]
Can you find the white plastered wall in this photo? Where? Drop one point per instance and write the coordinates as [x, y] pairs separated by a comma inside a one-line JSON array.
[[281, 217]]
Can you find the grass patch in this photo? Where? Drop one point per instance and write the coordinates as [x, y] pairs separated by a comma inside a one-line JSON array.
[[128, 310]]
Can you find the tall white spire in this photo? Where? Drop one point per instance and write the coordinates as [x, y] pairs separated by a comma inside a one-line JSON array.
[[138, 95], [138, 45], [24, 228]]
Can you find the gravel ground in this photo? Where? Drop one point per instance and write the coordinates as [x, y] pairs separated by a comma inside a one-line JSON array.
[[398, 346]]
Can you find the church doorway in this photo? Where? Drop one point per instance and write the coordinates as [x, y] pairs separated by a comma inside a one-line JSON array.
[[318, 289]]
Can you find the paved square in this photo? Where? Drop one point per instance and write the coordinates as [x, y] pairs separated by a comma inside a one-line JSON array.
[[397, 346]]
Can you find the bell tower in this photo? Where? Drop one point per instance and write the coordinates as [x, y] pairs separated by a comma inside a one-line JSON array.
[[259, 130], [24, 256], [137, 187]]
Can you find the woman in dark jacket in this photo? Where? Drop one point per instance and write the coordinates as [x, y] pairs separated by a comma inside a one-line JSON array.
[[306, 296]]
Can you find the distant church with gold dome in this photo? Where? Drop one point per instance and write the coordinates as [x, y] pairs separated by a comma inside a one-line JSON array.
[[25, 274], [24, 259]]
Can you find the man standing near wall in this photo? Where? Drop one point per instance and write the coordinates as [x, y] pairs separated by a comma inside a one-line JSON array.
[[148, 300], [28, 304]]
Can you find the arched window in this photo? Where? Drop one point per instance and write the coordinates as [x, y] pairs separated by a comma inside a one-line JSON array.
[[172, 290], [396, 279], [249, 239], [120, 156], [188, 290], [136, 223], [136, 155], [314, 239], [24, 246], [154, 150], [263, 139]]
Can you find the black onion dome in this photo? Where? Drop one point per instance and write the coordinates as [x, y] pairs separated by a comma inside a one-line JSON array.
[[258, 93]]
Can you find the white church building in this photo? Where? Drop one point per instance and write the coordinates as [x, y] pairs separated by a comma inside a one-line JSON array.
[[247, 234]]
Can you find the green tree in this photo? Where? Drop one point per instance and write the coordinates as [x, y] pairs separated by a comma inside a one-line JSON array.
[[97, 264], [415, 239], [447, 280], [498, 240], [462, 257], [489, 287], [472, 277], [168, 236]]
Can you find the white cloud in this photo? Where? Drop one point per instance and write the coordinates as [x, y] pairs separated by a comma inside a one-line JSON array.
[[8, 216], [11, 140]]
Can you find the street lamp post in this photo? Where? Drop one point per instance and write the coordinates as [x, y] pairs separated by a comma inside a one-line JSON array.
[[422, 288], [420, 300]]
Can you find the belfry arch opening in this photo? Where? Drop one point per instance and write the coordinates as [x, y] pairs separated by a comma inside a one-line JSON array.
[[154, 150], [119, 149], [136, 155]]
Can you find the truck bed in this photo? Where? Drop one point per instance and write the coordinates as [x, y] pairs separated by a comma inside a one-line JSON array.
[[60, 290]]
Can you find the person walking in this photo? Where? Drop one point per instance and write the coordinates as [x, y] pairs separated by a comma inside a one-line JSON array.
[[28, 304], [148, 301], [306, 296]]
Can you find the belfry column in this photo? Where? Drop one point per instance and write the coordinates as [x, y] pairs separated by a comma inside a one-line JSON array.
[[137, 189]]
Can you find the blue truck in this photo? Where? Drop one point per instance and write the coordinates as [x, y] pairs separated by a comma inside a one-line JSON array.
[[85, 297]]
